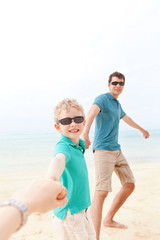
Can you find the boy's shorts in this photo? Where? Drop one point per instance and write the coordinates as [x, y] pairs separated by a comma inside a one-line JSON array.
[[77, 226], [105, 163]]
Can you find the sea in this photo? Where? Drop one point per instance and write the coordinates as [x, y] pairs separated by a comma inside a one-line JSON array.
[[22, 153]]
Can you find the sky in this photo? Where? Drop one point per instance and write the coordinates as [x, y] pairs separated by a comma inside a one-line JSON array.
[[51, 50]]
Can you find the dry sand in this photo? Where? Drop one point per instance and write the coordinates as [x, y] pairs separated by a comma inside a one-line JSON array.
[[141, 211]]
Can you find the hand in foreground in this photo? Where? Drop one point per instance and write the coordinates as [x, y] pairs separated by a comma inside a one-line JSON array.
[[42, 195]]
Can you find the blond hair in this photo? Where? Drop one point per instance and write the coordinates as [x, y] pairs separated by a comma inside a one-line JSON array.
[[67, 104]]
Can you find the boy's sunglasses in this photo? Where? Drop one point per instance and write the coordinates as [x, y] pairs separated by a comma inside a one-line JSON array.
[[116, 83], [67, 121]]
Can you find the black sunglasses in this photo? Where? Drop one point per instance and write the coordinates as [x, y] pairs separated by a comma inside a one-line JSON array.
[[67, 121], [116, 83]]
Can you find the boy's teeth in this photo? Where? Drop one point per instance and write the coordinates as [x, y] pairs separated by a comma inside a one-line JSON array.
[[73, 130]]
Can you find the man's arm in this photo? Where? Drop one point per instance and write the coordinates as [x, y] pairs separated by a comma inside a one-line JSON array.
[[131, 123], [94, 110], [56, 167]]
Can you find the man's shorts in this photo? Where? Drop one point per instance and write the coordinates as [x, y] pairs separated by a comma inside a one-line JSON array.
[[105, 163], [77, 226]]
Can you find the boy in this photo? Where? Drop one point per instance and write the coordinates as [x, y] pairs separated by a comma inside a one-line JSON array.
[[70, 168]]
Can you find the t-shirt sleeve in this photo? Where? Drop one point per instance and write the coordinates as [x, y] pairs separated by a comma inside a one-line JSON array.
[[99, 101], [122, 113], [62, 148]]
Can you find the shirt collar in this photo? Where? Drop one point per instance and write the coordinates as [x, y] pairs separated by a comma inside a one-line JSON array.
[[111, 97], [67, 140]]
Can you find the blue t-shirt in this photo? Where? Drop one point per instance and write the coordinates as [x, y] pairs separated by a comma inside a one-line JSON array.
[[74, 177], [107, 123]]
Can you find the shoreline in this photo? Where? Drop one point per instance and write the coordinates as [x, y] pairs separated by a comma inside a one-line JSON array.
[[140, 212]]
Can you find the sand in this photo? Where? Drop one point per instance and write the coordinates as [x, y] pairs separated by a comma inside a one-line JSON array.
[[141, 212]]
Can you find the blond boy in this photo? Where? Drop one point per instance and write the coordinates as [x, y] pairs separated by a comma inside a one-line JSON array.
[[69, 166]]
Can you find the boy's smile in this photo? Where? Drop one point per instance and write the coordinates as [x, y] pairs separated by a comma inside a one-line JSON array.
[[72, 130]]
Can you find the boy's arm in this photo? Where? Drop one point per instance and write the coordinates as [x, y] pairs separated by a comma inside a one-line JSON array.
[[56, 167]]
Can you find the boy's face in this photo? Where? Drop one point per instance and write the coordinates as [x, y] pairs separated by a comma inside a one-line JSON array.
[[73, 130]]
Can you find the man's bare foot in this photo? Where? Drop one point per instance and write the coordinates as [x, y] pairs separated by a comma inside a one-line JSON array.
[[114, 224]]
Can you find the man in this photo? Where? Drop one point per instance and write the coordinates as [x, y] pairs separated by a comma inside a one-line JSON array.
[[108, 157]]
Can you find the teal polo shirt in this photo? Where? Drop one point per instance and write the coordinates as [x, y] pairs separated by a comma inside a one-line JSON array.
[[107, 123], [74, 177]]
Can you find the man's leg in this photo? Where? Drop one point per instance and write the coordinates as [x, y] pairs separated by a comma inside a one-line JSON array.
[[118, 201], [104, 167], [96, 210]]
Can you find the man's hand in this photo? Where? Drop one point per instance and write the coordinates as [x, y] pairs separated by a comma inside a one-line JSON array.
[[145, 134], [86, 140]]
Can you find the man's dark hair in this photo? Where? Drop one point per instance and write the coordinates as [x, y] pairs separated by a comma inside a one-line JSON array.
[[116, 74]]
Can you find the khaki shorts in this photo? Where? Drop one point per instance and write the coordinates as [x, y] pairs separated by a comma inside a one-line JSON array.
[[77, 226], [105, 163]]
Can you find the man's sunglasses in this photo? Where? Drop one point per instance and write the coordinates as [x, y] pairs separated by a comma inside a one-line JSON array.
[[67, 121], [116, 83]]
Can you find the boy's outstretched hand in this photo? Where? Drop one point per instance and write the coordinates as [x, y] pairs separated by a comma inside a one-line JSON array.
[[62, 194]]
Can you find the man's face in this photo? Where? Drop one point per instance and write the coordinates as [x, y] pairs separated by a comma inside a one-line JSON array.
[[116, 86]]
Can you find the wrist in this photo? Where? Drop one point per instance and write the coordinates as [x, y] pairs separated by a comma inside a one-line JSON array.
[[141, 129], [23, 211], [85, 135]]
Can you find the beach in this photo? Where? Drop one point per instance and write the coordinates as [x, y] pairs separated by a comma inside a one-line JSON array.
[[25, 157], [140, 212]]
